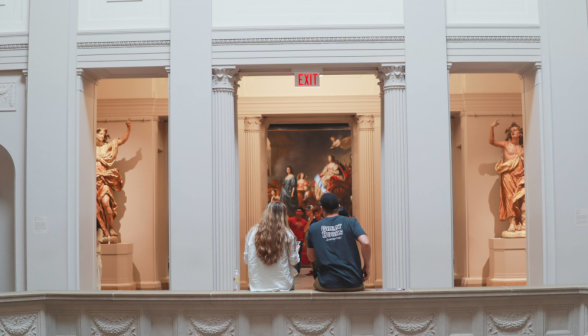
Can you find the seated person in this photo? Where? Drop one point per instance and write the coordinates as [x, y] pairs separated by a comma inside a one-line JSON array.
[[332, 246], [271, 251]]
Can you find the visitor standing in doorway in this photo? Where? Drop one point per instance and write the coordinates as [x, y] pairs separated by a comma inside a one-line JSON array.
[[297, 224]]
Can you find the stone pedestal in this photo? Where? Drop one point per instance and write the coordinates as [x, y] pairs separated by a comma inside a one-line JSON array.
[[117, 267], [508, 262]]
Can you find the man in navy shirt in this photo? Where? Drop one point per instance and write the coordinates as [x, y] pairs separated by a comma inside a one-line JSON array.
[[332, 246]]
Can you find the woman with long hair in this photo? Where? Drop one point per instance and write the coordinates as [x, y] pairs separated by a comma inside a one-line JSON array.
[[271, 252]]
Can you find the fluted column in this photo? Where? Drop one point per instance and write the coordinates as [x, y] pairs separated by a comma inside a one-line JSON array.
[[365, 161], [395, 221], [253, 205], [225, 191]]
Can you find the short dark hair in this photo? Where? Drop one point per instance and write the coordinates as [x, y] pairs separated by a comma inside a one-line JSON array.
[[300, 208], [316, 208]]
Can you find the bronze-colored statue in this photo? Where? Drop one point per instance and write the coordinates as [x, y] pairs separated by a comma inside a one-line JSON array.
[[108, 179], [512, 180]]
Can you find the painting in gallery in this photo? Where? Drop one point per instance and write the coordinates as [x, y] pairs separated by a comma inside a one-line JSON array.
[[305, 161]]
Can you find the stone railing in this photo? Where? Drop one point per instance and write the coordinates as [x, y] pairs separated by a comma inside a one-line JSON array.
[[554, 311]]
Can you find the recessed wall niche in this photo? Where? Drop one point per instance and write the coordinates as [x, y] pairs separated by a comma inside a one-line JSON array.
[[142, 219], [477, 101]]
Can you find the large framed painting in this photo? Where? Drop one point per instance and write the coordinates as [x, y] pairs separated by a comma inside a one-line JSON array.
[[307, 160]]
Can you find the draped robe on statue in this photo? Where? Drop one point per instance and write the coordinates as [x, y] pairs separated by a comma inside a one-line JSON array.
[[107, 179], [512, 187]]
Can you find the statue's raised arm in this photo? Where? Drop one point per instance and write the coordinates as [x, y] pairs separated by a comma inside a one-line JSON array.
[[492, 141], [125, 137]]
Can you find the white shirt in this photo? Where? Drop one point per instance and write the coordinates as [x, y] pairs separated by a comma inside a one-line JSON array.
[[278, 277]]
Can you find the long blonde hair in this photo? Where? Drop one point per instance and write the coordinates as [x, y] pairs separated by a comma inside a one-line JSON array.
[[272, 234]]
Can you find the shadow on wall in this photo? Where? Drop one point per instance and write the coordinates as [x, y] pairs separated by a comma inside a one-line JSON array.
[[124, 166], [493, 196], [7, 262]]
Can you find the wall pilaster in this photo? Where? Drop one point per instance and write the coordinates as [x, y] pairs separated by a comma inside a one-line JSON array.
[[395, 221], [225, 191], [367, 216]]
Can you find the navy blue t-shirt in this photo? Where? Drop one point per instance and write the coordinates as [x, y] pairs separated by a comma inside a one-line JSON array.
[[337, 257]]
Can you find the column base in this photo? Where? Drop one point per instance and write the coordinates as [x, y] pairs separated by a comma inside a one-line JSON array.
[[508, 262], [117, 267]]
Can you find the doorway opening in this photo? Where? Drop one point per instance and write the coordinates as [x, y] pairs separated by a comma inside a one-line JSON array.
[[7, 218], [315, 132]]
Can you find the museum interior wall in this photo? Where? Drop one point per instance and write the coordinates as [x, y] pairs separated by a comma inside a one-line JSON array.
[[476, 101], [143, 214]]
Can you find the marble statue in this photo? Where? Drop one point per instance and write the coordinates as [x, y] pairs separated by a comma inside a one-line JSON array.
[[512, 180], [108, 179]]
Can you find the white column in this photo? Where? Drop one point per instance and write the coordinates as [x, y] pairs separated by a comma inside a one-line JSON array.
[[52, 162], [190, 147], [225, 192], [365, 162], [429, 143], [395, 221], [534, 177]]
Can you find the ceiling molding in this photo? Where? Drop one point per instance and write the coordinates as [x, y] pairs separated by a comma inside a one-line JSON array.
[[502, 39], [123, 44], [308, 40], [15, 46]]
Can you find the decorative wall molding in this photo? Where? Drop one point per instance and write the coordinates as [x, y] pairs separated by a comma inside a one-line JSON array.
[[14, 46], [7, 97], [486, 39], [18, 325], [311, 324], [113, 323], [413, 323], [202, 324], [123, 44], [555, 311], [308, 40], [510, 321]]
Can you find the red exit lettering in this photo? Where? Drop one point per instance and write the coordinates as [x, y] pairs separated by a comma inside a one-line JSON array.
[[307, 79]]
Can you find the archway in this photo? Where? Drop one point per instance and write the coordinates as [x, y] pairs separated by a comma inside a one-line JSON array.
[[7, 276]]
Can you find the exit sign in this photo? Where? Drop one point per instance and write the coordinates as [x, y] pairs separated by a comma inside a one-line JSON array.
[[310, 79]]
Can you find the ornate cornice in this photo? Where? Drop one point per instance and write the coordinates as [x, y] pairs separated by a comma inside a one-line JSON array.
[[225, 79], [252, 123], [123, 44], [16, 46], [365, 122], [392, 76], [486, 39], [308, 40]]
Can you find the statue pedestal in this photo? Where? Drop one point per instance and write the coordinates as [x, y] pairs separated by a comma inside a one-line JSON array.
[[508, 262], [117, 267]]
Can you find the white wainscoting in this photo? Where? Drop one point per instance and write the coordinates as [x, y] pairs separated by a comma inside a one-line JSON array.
[[483, 311], [237, 13], [14, 16], [492, 11], [123, 14]]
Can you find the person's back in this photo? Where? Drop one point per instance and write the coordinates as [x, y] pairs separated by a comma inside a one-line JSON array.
[[332, 243], [271, 252]]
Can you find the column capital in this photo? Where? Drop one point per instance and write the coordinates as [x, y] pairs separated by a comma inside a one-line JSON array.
[[393, 76], [365, 122], [253, 124], [225, 79]]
